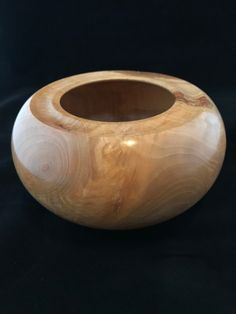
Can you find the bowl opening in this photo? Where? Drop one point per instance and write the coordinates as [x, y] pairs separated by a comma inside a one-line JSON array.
[[117, 100]]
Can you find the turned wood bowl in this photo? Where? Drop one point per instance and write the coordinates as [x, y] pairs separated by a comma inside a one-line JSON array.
[[118, 149]]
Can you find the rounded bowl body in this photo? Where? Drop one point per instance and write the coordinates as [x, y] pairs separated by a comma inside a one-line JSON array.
[[117, 171]]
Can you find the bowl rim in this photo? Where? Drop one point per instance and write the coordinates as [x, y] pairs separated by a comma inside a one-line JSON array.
[[46, 106]]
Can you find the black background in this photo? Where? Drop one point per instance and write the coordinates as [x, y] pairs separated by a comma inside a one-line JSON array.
[[48, 265]]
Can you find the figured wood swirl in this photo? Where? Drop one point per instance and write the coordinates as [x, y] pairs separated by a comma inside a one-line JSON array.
[[118, 149]]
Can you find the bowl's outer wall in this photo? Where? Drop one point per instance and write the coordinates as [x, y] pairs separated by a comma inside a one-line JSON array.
[[131, 175]]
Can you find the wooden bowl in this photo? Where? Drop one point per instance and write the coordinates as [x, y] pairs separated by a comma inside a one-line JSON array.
[[118, 149]]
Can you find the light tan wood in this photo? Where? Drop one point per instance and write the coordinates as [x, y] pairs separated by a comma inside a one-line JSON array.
[[118, 149]]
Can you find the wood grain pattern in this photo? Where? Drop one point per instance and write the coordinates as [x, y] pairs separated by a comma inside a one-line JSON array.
[[118, 149]]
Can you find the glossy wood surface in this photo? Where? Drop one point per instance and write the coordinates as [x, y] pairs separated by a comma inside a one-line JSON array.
[[118, 149]]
